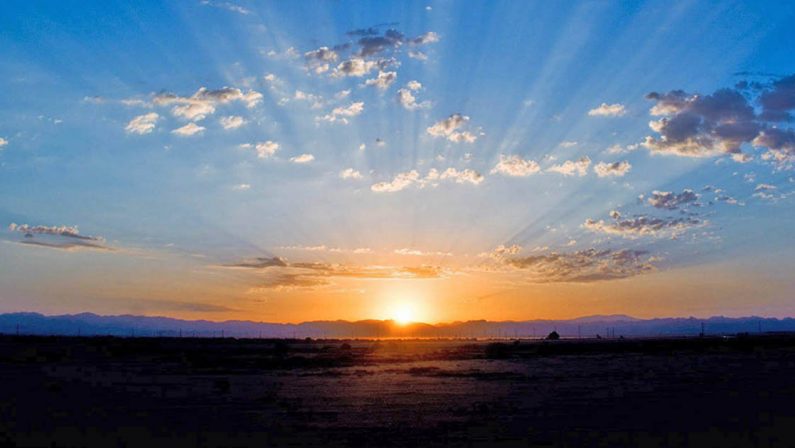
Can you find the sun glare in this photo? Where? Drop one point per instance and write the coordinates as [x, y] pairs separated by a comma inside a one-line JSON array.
[[403, 314]]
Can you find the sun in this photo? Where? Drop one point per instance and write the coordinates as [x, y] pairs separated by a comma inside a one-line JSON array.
[[403, 314]]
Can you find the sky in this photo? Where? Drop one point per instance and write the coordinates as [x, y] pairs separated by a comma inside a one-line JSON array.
[[419, 160]]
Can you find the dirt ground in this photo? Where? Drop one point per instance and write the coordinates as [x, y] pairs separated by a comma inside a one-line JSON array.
[[721, 392]]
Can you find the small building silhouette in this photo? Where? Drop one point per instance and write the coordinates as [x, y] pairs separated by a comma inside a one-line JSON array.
[[554, 336]]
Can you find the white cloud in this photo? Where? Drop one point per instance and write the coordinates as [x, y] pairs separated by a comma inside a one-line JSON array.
[[608, 110], [407, 99], [350, 173], [420, 253], [418, 55], [357, 67], [204, 101], [615, 169], [399, 182], [3, 142], [449, 129], [241, 187], [265, 149], [188, 130], [414, 85], [570, 168], [567, 144], [463, 176], [671, 201], [142, 124], [515, 166], [232, 122], [341, 114], [303, 158], [383, 80]]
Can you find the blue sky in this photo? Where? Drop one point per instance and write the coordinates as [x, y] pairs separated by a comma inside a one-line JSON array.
[[472, 159]]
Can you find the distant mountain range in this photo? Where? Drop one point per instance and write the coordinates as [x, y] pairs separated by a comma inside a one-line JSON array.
[[605, 326]]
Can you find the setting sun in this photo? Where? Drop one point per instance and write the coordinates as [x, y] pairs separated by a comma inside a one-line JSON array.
[[403, 313]]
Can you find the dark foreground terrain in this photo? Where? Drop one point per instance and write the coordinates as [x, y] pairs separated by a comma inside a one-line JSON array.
[[68, 391]]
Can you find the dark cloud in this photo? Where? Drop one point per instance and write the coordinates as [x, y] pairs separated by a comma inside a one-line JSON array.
[[583, 266], [779, 100], [671, 201], [642, 225], [65, 231], [260, 263], [67, 245]]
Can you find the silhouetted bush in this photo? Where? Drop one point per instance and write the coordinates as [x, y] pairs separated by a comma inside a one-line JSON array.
[[554, 336]]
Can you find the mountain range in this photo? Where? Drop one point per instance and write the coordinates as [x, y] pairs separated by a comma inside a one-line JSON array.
[[88, 324]]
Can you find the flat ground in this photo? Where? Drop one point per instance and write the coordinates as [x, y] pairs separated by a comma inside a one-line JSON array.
[[68, 391]]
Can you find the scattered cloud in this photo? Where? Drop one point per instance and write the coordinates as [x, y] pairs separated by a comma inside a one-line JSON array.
[[232, 122], [406, 98], [501, 252], [449, 129], [303, 158], [642, 226], [342, 113], [204, 102], [229, 6], [142, 124], [583, 266], [515, 166], [264, 149], [399, 182], [350, 173], [241, 187], [608, 110], [58, 237], [671, 201], [420, 253], [571, 168], [281, 274], [614, 169], [383, 80], [188, 130]]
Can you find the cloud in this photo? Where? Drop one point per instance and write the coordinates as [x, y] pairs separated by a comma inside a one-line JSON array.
[[59, 237], [383, 80], [449, 129], [350, 173], [341, 114], [608, 110], [779, 100], [188, 130], [241, 187], [780, 144], [357, 67], [65, 231], [259, 263], [642, 226], [418, 55], [570, 168], [281, 274], [232, 122], [142, 124], [702, 125], [567, 144], [419, 253], [264, 149], [303, 158], [3, 142], [319, 60], [583, 266], [515, 166], [406, 98], [404, 180], [461, 177], [671, 201], [399, 182], [618, 149], [229, 6], [615, 169], [324, 248], [204, 101], [501, 252]]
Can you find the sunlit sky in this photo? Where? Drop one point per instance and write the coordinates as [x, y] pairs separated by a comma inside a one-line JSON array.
[[421, 160]]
